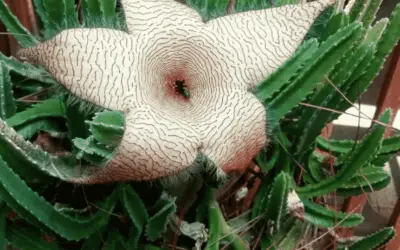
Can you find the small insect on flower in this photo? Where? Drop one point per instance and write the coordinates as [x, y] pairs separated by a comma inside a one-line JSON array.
[[182, 89]]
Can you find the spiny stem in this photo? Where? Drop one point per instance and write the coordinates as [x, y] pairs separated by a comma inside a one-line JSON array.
[[329, 231]]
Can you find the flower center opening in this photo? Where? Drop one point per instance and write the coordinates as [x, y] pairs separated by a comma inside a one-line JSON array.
[[181, 88]]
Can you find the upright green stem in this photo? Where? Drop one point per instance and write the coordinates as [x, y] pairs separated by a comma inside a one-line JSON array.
[[219, 229]]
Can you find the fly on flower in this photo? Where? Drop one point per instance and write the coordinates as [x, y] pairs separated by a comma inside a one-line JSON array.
[[182, 89]]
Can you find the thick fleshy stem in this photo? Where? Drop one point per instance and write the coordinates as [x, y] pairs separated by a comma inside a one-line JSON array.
[[218, 227]]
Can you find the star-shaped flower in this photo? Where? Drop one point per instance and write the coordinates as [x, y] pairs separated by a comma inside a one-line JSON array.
[[183, 84]]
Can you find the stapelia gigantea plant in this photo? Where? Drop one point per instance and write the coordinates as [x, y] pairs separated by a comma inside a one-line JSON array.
[[151, 90]]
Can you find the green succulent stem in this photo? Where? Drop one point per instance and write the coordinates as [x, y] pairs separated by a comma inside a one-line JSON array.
[[219, 229]]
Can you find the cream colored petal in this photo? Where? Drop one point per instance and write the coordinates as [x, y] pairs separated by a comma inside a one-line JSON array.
[[155, 144], [236, 132], [151, 15], [96, 65], [256, 43]]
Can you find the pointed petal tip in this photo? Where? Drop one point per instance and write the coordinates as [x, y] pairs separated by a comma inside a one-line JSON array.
[[27, 54], [319, 6], [327, 3]]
